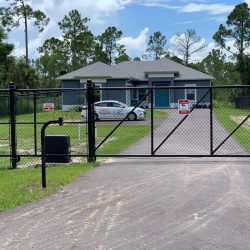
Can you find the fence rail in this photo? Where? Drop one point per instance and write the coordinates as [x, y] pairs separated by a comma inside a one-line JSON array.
[[217, 123]]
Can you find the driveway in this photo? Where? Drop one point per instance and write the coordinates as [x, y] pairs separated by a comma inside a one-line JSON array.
[[140, 204], [192, 137]]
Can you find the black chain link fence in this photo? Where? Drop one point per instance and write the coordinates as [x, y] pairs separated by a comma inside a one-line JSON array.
[[30, 115], [138, 121]]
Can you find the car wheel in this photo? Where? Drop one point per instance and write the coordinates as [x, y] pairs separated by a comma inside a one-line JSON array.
[[132, 116], [96, 118]]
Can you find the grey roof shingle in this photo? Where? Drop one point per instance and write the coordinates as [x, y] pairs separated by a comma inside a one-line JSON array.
[[136, 70], [97, 69]]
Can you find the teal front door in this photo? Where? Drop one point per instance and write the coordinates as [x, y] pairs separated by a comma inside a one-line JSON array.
[[161, 98]]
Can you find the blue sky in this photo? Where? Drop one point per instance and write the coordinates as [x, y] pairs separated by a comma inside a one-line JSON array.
[[137, 19]]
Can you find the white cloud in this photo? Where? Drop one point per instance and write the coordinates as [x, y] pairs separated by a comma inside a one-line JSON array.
[[19, 49], [45, 5], [34, 42], [103, 13], [213, 9], [136, 45], [217, 18], [185, 22], [201, 6], [100, 12], [196, 56], [158, 4], [203, 53], [103, 6]]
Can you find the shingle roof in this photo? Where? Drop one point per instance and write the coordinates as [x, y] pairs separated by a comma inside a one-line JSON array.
[[137, 70], [97, 69]]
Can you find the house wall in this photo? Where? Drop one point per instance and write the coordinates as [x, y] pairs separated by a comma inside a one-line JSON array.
[[72, 98], [75, 98], [118, 95], [180, 93], [175, 94], [164, 81]]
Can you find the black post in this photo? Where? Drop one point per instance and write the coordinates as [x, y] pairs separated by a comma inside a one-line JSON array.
[[91, 121], [152, 121], [35, 123], [45, 125], [211, 121], [12, 88]]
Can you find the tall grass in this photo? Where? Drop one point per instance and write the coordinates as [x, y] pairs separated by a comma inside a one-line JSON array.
[[25, 104]]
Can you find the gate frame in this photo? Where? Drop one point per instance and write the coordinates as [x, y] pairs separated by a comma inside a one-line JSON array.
[[151, 91], [92, 147]]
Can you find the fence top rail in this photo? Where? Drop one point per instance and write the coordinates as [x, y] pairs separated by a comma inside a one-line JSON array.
[[177, 87], [4, 90], [43, 91], [56, 90]]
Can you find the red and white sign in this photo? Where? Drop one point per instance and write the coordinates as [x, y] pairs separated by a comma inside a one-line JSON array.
[[47, 107], [183, 106]]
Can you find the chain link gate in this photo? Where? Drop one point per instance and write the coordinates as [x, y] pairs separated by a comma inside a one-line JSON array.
[[218, 123], [215, 127]]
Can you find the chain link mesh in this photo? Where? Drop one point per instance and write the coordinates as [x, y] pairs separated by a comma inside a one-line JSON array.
[[162, 132]]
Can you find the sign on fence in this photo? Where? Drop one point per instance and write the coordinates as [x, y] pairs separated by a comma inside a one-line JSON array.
[[47, 107], [183, 106]]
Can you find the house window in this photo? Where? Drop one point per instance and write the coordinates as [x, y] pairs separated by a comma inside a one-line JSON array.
[[141, 94], [190, 93], [138, 94], [134, 94]]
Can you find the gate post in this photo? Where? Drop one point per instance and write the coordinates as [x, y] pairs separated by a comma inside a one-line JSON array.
[[12, 88], [211, 120], [91, 121], [152, 120]]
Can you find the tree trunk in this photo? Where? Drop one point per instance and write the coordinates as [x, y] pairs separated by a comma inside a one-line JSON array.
[[26, 39]]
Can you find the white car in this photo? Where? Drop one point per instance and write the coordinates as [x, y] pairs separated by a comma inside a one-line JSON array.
[[115, 110]]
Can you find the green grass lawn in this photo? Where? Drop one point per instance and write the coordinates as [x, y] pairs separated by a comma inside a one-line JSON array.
[[158, 114], [24, 185], [230, 118], [47, 116], [21, 186], [122, 138]]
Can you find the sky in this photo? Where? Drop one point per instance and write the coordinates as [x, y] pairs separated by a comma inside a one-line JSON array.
[[137, 19]]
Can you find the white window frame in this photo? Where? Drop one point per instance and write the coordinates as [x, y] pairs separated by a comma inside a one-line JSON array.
[[195, 92], [137, 92]]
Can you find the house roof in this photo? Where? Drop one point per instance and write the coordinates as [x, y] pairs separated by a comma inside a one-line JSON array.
[[97, 69], [136, 70]]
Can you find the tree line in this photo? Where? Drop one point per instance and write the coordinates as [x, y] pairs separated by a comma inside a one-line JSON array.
[[78, 47]]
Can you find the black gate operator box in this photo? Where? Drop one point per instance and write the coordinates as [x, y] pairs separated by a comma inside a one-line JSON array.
[[58, 145]]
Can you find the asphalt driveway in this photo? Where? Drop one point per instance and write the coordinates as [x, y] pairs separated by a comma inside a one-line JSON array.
[[140, 204]]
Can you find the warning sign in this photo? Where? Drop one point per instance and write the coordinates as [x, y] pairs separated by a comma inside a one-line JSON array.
[[183, 106], [47, 107]]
